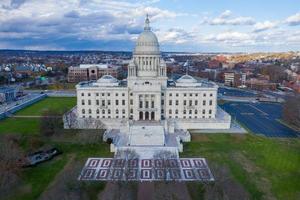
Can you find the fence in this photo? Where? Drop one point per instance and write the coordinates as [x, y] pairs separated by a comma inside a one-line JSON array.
[[16, 108]]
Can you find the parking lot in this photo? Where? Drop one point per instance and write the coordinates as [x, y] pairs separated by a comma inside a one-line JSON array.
[[260, 118], [235, 92]]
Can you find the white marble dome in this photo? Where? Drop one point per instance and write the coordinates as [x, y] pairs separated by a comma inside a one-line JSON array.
[[107, 80], [186, 79], [147, 42]]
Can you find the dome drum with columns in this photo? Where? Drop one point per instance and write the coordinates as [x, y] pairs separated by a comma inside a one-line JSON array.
[[147, 60]]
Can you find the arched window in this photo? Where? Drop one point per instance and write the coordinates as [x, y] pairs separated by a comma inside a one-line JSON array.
[[83, 111], [90, 111]]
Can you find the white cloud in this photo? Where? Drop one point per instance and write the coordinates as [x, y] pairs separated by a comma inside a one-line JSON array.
[[226, 18], [175, 35], [293, 20], [266, 25], [226, 14], [230, 36]]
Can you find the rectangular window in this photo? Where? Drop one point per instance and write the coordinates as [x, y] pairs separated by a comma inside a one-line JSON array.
[[152, 104], [82, 94], [176, 102], [196, 102], [184, 102], [170, 102], [141, 104], [123, 102], [131, 101], [82, 102], [89, 102], [97, 102], [108, 102], [204, 103], [190, 102], [103, 102], [210, 102], [117, 102]]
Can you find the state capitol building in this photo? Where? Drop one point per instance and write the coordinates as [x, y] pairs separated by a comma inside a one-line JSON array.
[[148, 97]]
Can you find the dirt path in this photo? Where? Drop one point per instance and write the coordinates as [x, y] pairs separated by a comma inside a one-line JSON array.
[[145, 191], [58, 175]]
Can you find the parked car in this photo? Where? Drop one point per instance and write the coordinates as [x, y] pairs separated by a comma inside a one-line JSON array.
[[39, 157]]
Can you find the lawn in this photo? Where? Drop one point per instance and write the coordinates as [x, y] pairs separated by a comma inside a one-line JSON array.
[[29, 125], [264, 167], [58, 104], [36, 180]]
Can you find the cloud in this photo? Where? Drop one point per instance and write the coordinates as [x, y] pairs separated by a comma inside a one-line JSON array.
[[229, 36], [176, 36], [226, 14], [226, 18], [263, 26], [293, 20], [89, 20]]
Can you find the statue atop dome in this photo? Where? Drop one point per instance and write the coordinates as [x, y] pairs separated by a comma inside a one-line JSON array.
[[147, 23]]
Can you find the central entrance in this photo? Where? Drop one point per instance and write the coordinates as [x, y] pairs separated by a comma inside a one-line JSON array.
[[146, 115]]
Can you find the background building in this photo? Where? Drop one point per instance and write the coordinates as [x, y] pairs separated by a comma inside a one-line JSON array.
[[87, 72]]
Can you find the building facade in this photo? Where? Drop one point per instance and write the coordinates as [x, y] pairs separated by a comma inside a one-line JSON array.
[[7, 94], [87, 72], [147, 94]]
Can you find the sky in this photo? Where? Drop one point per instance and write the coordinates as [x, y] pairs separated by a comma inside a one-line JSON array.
[[180, 25]]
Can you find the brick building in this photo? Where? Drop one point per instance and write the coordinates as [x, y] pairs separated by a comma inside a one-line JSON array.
[[87, 72]]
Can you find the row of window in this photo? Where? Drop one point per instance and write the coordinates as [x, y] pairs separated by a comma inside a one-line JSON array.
[[187, 94], [190, 117], [162, 94], [103, 94], [123, 116], [103, 117], [103, 103], [190, 102], [103, 111], [191, 111]]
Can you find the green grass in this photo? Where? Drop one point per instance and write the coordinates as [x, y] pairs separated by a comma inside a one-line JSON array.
[[274, 160], [24, 126], [39, 177], [30, 126], [58, 104]]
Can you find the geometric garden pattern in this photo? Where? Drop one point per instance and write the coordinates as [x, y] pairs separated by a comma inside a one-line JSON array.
[[114, 169]]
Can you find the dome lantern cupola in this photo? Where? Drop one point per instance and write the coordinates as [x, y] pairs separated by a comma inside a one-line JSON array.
[[147, 42]]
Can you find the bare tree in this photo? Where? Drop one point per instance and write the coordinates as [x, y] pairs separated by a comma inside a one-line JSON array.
[[164, 157], [10, 153], [50, 123], [291, 110], [70, 119]]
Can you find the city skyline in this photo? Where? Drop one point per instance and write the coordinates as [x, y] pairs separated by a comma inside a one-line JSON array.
[[195, 26]]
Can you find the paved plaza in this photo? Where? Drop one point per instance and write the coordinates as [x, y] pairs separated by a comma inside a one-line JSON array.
[[109, 169]]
